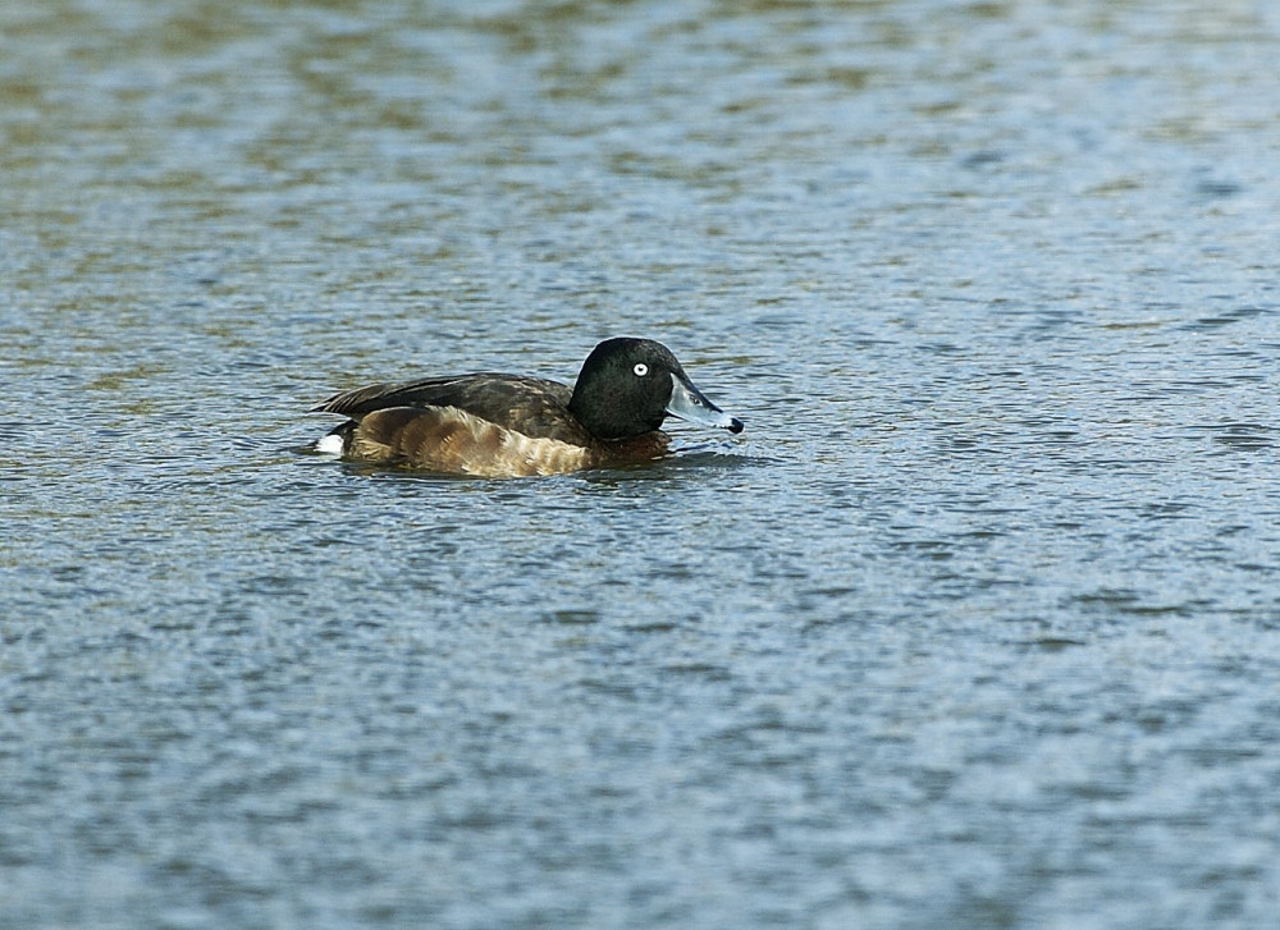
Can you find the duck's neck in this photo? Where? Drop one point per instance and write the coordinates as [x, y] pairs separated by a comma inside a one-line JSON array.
[[605, 417]]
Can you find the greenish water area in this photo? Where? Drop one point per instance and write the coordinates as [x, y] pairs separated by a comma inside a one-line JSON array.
[[977, 625]]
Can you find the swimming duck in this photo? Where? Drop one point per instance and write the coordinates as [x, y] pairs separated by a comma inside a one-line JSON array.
[[499, 425]]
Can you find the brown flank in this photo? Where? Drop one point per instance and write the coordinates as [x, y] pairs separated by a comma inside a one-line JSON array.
[[448, 439]]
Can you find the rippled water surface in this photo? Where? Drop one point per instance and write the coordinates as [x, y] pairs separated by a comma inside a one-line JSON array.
[[976, 626]]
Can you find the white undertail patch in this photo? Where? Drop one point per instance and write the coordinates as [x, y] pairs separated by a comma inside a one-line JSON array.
[[330, 444]]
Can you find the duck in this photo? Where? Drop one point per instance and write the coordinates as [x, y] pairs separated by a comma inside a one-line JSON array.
[[495, 425]]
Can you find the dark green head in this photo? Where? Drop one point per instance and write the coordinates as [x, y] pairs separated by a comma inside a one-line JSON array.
[[627, 387]]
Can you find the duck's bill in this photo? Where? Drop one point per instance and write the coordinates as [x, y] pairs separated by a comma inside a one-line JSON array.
[[688, 403]]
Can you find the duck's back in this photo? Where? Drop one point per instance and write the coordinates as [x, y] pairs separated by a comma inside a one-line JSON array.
[[534, 407]]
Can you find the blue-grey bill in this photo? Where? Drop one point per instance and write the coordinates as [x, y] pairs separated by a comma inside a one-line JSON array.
[[688, 403]]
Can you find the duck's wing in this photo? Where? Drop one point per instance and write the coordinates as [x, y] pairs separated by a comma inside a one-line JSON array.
[[536, 407]]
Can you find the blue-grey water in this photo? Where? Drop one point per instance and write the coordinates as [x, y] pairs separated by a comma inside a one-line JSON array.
[[976, 626]]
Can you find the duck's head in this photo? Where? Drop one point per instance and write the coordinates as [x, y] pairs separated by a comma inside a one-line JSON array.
[[629, 386]]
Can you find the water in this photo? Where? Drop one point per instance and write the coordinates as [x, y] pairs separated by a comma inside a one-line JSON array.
[[976, 626]]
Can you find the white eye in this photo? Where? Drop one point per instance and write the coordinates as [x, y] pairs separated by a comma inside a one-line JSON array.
[[641, 369]]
